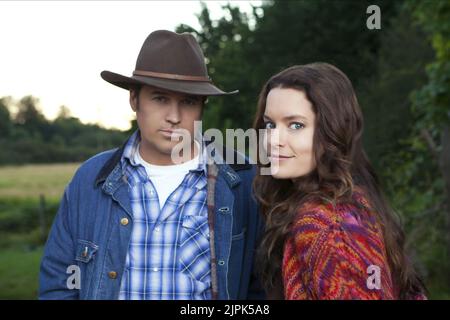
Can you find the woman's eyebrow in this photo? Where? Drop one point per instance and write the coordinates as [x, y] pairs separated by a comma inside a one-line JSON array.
[[294, 116], [289, 117]]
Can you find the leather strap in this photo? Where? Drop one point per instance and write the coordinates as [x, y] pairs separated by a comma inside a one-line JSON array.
[[170, 76]]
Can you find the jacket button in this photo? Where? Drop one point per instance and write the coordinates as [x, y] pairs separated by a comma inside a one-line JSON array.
[[112, 274], [224, 209], [221, 262], [124, 221]]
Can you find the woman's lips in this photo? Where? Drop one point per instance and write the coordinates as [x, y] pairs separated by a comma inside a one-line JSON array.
[[279, 157]]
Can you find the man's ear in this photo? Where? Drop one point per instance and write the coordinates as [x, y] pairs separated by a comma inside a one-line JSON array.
[[133, 99]]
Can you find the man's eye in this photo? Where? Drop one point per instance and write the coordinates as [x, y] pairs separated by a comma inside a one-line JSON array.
[[190, 102], [296, 125], [160, 99], [269, 125]]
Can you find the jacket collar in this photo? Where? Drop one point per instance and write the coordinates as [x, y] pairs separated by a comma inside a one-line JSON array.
[[228, 171]]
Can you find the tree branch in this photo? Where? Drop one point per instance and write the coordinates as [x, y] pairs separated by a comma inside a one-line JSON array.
[[425, 134]]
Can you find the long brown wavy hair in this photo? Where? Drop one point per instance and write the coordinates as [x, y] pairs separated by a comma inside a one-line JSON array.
[[342, 166]]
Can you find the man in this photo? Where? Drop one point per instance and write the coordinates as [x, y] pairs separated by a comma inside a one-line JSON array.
[[135, 224]]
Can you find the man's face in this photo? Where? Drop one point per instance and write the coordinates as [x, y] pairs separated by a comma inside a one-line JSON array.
[[160, 113]]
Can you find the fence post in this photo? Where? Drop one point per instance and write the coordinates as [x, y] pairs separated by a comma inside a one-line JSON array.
[[42, 221]]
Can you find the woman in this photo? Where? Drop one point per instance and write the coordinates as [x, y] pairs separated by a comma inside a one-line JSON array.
[[330, 234]]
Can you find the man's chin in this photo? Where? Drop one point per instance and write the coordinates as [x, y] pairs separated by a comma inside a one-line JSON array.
[[168, 147]]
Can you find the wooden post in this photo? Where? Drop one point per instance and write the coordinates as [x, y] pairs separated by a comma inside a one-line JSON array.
[[42, 220]]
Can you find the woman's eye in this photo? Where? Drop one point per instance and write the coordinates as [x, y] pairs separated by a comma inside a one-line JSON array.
[[269, 125], [296, 125]]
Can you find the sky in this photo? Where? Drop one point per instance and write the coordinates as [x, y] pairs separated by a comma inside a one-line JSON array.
[[55, 50]]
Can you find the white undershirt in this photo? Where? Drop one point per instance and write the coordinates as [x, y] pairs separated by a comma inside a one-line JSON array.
[[167, 178]]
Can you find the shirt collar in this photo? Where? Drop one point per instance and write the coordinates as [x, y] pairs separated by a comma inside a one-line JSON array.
[[131, 147]]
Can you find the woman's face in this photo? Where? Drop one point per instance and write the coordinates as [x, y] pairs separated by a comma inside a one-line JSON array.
[[290, 122]]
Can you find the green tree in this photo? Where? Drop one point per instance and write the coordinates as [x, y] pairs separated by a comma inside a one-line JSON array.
[[430, 140], [64, 113], [30, 116], [384, 98], [5, 118], [34, 139]]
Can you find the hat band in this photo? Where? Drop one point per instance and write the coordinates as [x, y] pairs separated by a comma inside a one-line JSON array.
[[170, 76]]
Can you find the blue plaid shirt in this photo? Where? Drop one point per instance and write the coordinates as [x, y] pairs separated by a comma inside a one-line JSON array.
[[169, 251]]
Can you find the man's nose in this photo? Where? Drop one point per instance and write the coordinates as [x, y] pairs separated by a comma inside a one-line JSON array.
[[173, 114]]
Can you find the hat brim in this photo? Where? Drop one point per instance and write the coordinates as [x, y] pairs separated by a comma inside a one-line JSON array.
[[189, 87]]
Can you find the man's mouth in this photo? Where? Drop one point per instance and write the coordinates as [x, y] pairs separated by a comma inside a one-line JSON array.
[[169, 133]]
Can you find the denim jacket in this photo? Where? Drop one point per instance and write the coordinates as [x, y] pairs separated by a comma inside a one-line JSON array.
[[89, 238]]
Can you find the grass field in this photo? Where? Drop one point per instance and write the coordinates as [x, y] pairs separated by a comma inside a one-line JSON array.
[[21, 237], [19, 270], [29, 181]]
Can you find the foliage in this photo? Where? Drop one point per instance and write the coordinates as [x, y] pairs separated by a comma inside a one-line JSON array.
[[28, 137]]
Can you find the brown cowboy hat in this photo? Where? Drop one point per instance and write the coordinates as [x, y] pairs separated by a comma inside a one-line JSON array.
[[171, 61]]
